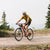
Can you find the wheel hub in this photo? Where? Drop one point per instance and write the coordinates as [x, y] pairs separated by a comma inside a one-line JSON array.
[[29, 34], [19, 34]]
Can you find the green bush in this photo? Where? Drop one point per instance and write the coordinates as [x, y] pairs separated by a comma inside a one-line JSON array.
[[11, 29], [4, 27], [4, 34]]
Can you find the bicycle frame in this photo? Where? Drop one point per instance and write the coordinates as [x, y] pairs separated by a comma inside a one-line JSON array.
[[23, 29]]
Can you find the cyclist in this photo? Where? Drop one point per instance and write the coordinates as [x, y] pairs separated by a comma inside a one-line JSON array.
[[27, 23]]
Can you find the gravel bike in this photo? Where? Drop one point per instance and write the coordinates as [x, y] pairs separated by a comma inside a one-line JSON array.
[[19, 32]]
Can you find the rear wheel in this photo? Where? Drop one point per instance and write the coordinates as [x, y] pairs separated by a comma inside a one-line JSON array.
[[18, 34], [30, 33]]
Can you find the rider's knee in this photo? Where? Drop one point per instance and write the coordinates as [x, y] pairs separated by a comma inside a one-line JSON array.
[[23, 26], [26, 27]]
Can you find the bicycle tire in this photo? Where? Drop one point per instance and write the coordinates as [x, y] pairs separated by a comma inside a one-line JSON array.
[[32, 34], [21, 33]]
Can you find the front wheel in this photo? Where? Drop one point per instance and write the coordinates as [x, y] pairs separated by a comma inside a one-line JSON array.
[[18, 34], [30, 34]]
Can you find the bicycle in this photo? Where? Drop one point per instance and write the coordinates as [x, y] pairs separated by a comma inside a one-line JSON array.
[[19, 33]]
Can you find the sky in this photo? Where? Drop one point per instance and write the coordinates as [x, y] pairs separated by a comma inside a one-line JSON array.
[[36, 9]]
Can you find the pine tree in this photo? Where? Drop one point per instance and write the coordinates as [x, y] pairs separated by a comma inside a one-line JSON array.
[[4, 23], [4, 19], [48, 18]]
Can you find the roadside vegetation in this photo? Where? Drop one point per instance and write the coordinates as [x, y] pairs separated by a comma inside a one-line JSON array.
[[31, 47], [42, 31], [39, 32], [4, 27], [6, 33]]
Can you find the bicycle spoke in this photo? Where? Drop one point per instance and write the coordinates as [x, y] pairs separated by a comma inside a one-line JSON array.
[[18, 34]]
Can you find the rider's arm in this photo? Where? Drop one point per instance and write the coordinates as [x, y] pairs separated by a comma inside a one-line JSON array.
[[18, 21]]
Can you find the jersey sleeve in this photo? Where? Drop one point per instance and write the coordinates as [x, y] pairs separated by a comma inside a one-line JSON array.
[[22, 17], [27, 16]]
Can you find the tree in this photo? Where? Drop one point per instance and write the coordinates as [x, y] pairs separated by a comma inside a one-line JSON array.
[[4, 23], [3, 19], [48, 18]]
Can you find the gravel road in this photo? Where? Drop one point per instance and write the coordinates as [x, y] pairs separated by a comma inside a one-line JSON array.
[[11, 42]]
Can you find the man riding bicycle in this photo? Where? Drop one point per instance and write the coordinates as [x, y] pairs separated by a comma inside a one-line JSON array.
[[27, 23]]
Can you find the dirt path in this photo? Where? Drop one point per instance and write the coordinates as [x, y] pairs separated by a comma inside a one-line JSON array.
[[11, 42]]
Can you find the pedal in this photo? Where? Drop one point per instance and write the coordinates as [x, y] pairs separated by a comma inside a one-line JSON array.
[[25, 35]]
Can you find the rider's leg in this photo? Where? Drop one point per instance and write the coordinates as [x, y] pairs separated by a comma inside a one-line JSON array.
[[23, 29], [28, 24], [26, 28]]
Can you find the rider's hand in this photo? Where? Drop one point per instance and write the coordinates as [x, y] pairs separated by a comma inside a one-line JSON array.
[[16, 23], [26, 23]]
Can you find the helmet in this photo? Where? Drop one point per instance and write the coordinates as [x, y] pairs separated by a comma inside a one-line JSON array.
[[24, 13]]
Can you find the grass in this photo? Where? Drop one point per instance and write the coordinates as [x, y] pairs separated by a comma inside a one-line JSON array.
[[42, 31], [6, 33], [3, 34], [31, 47]]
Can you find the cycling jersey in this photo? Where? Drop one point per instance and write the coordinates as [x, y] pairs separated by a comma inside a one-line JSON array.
[[27, 16]]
